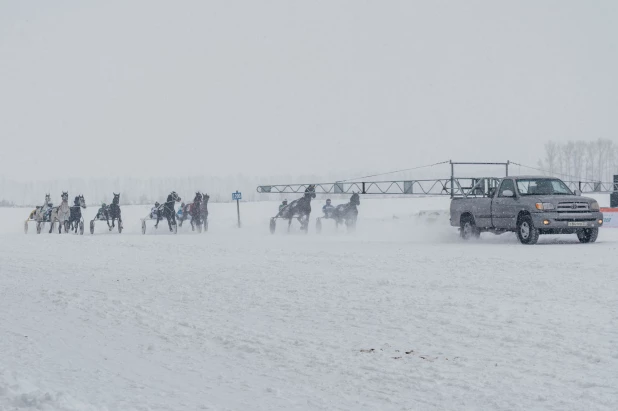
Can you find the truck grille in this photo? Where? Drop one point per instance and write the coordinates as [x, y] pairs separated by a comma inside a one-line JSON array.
[[573, 207]]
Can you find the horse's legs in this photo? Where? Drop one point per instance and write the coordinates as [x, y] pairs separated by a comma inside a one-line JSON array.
[[158, 219], [169, 221]]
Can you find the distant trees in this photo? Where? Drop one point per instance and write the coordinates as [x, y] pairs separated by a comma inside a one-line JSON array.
[[146, 190], [581, 160]]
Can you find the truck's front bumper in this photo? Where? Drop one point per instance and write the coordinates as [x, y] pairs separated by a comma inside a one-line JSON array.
[[566, 222]]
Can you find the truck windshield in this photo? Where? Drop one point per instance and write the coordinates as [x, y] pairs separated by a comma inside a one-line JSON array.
[[542, 186]]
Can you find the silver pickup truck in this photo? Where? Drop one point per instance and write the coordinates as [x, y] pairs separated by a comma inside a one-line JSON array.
[[529, 206]]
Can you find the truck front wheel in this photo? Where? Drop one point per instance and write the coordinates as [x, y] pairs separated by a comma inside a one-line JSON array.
[[588, 235], [468, 229], [526, 231]]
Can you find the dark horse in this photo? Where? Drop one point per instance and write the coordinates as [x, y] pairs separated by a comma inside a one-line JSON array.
[[343, 214], [114, 213], [167, 210], [198, 211], [299, 209], [75, 219]]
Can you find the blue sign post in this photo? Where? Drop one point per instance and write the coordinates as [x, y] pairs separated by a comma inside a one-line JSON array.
[[237, 196]]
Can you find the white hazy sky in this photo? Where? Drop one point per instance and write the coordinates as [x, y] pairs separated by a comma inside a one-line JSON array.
[[114, 88]]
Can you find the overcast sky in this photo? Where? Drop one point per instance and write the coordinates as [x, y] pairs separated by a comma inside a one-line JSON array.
[[147, 88]]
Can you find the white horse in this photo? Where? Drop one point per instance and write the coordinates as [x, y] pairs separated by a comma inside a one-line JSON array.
[[61, 214]]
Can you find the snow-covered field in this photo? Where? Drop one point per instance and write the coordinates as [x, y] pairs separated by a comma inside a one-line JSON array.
[[402, 315]]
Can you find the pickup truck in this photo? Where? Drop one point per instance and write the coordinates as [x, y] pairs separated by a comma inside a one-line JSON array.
[[528, 206]]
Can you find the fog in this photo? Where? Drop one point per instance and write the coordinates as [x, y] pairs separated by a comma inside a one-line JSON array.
[[254, 91]]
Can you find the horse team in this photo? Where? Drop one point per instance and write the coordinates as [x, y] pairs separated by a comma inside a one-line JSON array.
[[300, 210], [66, 216], [197, 212], [70, 217]]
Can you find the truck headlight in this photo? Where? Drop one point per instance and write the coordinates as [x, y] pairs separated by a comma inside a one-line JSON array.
[[594, 206], [545, 206]]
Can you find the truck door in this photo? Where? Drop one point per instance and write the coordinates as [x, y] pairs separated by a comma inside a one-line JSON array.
[[505, 205]]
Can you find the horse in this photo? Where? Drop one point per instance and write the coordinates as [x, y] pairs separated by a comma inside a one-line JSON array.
[[344, 214], [61, 214], [114, 213], [299, 209], [204, 210], [42, 213], [193, 210], [198, 210], [167, 210], [75, 215]]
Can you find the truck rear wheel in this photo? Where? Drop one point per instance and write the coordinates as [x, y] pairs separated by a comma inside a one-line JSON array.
[[468, 229], [588, 235], [526, 231]]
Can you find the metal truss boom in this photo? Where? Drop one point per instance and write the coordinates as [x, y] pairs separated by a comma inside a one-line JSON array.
[[452, 186], [460, 186]]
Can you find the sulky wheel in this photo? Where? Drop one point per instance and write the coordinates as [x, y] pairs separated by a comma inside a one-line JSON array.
[[199, 228], [175, 228], [205, 225], [66, 226], [143, 227], [119, 227], [273, 225], [26, 227], [92, 227], [318, 225], [81, 228]]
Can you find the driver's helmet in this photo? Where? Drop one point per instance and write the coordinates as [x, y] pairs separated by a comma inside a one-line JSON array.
[[157, 204], [103, 205], [285, 202], [182, 205], [328, 201]]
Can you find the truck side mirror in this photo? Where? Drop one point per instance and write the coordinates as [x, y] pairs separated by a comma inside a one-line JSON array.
[[508, 193]]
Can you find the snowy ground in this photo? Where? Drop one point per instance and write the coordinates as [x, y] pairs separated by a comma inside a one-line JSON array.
[[401, 315]]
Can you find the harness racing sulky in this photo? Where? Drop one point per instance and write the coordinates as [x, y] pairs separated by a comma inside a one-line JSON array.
[[165, 210], [299, 209], [107, 212], [40, 215], [342, 214]]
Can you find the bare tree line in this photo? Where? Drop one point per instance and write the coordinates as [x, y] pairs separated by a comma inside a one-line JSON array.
[[581, 160]]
